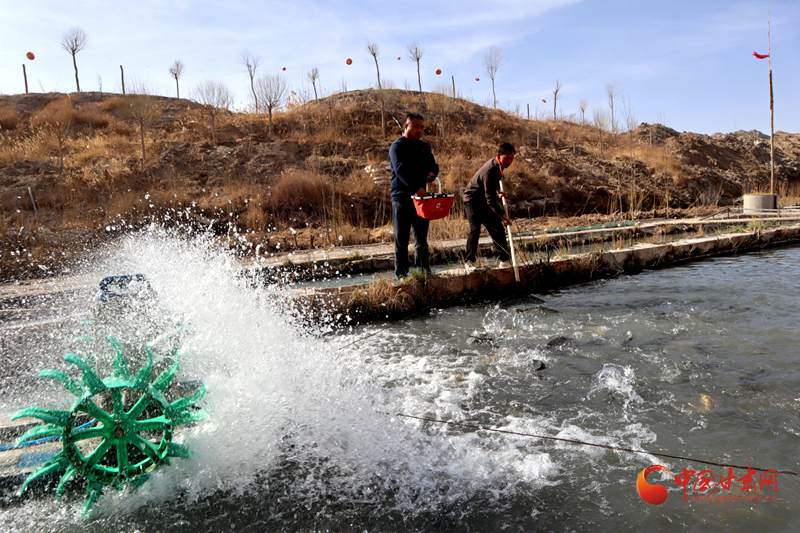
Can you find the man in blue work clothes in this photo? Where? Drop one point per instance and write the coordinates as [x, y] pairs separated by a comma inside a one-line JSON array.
[[413, 167]]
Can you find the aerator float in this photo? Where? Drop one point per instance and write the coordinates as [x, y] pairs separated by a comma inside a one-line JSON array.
[[119, 428]]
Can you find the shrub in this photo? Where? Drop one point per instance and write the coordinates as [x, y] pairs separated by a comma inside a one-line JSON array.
[[296, 190], [9, 119]]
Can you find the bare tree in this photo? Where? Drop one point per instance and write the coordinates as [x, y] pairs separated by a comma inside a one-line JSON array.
[[142, 110], [601, 123], [583, 105], [630, 124], [176, 70], [612, 91], [372, 48], [313, 76], [492, 63], [73, 41], [271, 88], [415, 53], [556, 91], [215, 97], [251, 62]]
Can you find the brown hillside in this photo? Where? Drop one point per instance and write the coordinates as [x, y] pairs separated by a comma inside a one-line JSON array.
[[322, 172]]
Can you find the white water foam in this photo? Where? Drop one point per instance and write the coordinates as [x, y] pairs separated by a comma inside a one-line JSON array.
[[278, 393]]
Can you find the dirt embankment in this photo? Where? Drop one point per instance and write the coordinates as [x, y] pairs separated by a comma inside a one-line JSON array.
[[322, 170]]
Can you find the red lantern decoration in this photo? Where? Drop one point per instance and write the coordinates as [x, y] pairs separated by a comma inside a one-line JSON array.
[[284, 68], [477, 79], [543, 100], [398, 59], [349, 61], [438, 71], [30, 56]]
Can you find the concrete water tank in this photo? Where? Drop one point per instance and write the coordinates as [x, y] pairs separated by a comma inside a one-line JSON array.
[[755, 203]]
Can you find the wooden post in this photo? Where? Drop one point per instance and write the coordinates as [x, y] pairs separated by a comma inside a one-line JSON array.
[[529, 111], [33, 203], [25, 75], [452, 77], [122, 74]]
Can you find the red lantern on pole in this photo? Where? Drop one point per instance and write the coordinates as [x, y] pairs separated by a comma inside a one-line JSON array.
[[30, 56], [438, 71], [349, 61]]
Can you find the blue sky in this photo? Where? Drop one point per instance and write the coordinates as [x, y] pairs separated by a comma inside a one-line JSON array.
[[688, 64]]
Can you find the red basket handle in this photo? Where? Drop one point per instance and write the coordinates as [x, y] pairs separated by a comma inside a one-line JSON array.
[[415, 197]]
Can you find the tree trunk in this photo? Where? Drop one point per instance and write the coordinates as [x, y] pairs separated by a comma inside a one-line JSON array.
[[419, 78], [255, 98], [141, 134], [75, 64], [213, 130], [379, 71], [383, 117], [314, 84], [269, 108], [177, 88], [59, 134], [494, 96]]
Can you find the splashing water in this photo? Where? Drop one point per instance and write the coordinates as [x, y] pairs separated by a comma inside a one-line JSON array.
[[294, 429], [693, 361]]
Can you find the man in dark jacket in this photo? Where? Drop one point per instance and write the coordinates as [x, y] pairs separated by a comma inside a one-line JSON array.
[[413, 167], [483, 205]]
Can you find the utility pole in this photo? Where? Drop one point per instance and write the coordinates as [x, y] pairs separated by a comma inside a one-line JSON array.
[[771, 115]]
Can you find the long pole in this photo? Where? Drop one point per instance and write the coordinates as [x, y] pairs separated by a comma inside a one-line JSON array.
[[510, 237], [771, 116], [25, 75]]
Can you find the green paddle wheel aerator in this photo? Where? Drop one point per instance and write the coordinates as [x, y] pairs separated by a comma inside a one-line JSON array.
[[118, 430]]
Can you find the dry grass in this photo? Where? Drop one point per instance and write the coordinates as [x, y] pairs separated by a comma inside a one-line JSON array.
[[307, 179], [382, 296], [9, 119], [33, 145], [454, 226], [298, 193]]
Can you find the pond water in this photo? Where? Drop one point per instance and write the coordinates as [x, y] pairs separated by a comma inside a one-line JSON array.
[[695, 361]]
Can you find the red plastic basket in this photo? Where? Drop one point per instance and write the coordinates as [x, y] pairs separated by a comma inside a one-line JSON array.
[[434, 206]]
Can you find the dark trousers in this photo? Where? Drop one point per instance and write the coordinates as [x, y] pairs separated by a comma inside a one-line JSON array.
[[479, 213], [405, 218]]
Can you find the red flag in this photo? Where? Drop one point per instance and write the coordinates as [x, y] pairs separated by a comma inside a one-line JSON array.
[[760, 56]]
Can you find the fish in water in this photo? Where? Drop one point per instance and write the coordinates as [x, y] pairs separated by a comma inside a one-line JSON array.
[[538, 309], [705, 405]]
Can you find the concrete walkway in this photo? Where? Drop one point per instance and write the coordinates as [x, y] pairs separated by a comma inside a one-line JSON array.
[[380, 256]]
